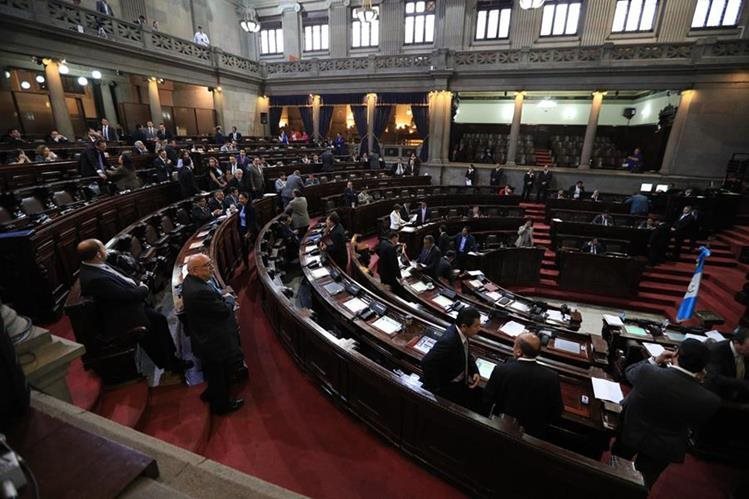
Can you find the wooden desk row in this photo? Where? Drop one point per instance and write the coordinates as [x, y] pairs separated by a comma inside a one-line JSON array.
[[485, 457], [614, 275]]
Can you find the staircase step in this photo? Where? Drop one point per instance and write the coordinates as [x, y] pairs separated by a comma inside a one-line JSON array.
[[178, 416], [662, 288], [125, 404], [85, 386]]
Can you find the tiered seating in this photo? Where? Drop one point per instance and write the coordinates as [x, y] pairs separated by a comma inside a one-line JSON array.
[[492, 148]]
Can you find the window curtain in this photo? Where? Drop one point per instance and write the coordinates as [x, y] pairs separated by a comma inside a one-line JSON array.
[[402, 98], [274, 115], [326, 116], [360, 120], [289, 100], [421, 120], [382, 116], [306, 113]]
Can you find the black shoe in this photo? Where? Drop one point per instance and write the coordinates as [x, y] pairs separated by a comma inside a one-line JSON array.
[[230, 406]]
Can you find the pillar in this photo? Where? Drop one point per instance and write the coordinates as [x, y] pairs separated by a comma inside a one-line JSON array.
[[512, 143], [371, 104], [440, 117], [57, 99], [263, 106], [590, 130], [315, 116], [154, 101], [292, 28], [218, 105], [677, 129], [338, 19], [110, 112]]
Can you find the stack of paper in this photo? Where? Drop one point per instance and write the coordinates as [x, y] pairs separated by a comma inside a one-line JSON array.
[[690, 336], [196, 245], [442, 301], [567, 346], [604, 389], [612, 320], [554, 315], [635, 330], [387, 325], [484, 318], [425, 344], [309, 249], [494, 295], [476, 283], [475, 273], [715, 335], [485, 368], [321, 272], [512, 328], [654, 349], [355, 305], [520, 306], [418, 286]]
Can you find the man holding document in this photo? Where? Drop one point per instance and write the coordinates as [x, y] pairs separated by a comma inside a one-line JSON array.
[[667, 401]]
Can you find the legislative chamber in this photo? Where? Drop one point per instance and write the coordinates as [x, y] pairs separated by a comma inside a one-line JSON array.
[[374, 248]]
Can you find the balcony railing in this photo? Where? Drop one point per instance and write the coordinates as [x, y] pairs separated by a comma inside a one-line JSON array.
[[88, 23]]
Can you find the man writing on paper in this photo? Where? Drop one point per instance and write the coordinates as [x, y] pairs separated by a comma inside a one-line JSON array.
[[450, 370], [728, 370], [667, 401], [524, 389]]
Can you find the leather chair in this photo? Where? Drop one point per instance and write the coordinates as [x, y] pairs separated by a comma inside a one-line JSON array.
[[31, 206], [5, 215], [62, 198]]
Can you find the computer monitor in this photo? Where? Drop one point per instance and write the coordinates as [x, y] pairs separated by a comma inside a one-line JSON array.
[[661, 188], [646, 188]]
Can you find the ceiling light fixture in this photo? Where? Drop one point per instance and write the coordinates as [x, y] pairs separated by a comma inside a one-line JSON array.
[[96, 74], [82, 81], [547, 103], [249, 24], [25, 85], [40, 79], [63, 68], [366, 13], [531, 4]]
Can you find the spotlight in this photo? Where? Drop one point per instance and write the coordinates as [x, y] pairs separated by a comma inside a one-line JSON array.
[[7, 74], [25, 85], [64, 69], [39, 79], [96, 74], [82, 81]]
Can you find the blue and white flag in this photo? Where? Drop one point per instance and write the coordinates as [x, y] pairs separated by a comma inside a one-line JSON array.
[[686, 309]]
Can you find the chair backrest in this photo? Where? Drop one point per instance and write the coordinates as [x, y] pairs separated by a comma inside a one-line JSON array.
[[51, 176], [31, 206], [5, 215], [62, 198], [329, 205], [151, 234], [136, 248], [166, 223]]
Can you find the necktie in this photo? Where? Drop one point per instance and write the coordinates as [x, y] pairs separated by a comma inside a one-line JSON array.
[[465, 355], [106, 133], [740, 367]]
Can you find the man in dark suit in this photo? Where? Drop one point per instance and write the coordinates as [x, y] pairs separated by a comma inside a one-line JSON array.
[[103, 7], [93, 162], [149, 132], [294, 182], [444, 270], [524, 389], [217, 201], [108, 132], [219, 138], [665, 404], [495, 178], [728, 370], [327, 160], [577, 191], [603, 219], [163, 133], [464, 244], [593, 247], [163, 166], [213, 332], [429, 256], [246, 222], [349, 195], [423, 214], [235, 135], [201, 214], [528, 180], [449, 370], [544, 184], [120, 303], [388, 266], [683, 227], [186, 179], [443, 240], [335, 243]]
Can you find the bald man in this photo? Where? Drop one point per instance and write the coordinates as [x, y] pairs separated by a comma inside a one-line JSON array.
[[524, 389], [120, 302], [213, 331]]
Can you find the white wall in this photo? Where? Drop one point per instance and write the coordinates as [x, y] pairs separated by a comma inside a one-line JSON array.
[[566, 112]]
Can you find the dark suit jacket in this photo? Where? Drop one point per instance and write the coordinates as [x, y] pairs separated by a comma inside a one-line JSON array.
[[598, 219], [89, 162], [349, 197], [599, 248], [443, 241], [469, 246], [236, 136], [111, 134], [210, 321], [444, 269], [201, 215], [387, 264], [220, 138], [445, 361], [662, 407], [421, 219], [544, 179], [337, 246], [684, 223], [430, 259], [527, 391], [327, 161], [721, 374], [165, 135], [571, 192], [186, 179], [495, 178], [250, 219], [120, 305], [163, 171]]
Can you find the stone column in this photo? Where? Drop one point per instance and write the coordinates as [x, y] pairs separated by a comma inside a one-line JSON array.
[[338, 19], [590, 130], [371, 104], [154, 101], [315, 116], [292, 28], [218, 105], [677, 129], [57, 99], [449, 27], [263, 106], [512, 143], [109, 110], [440, 109], [391, 26]]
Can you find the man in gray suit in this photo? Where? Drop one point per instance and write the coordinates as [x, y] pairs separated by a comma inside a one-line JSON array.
[[297, 209], [257, 180], [667, 401], [293, 183]]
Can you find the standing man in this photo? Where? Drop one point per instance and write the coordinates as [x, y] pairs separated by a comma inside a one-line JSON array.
[[163, 133], [464, 244], [257, 180], [186, 179], [213, 331], [638, 204], [728, 370], [327, 160], [423, 214], [388, 267], [200, 38], [544, 184], [683, 227], [294, 182], [93, 162], [667, 401], [108, 132], [246, 223], [102, 7], [528, 180], [297, 209], [449, 369], [150, 132], [524, 389], [235, 135], [335, 242], [495, 179]]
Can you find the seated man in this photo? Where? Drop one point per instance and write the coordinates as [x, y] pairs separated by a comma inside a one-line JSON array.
[[286, 233], [201, 213], [728, 370], [524, 389], [213, 331], [444, 271], [216, 203], [120, 301], [429, 257], [603, 219], [364, 196], [593, 247]]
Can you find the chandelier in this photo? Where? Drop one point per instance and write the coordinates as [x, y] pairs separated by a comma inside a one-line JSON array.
[[531, 4], [366, 13], [250, 24]]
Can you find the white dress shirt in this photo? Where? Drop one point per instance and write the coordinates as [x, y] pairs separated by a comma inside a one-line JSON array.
[[201, 38], [396, 222], [739, 360]]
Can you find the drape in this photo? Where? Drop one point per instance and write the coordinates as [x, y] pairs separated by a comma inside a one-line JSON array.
[[306, 113], [421, 120], [331, 99], [326, 116], [274, 116], [382, 116], [289, 100], [402, 98], [360, 120]]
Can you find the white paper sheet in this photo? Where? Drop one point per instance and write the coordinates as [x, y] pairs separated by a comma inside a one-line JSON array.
[[494, 295], [442, 301], [425, 344], [567, 345], [612, 320], [476, 283], [310, 248], [475, 273], [321, 272], [554, 315], [484, 318], [408, 229], [715, 335], [196, 245], [690, 336], [311, 259], [418, 286], [654, 349], [387, 325], [485, 368], [604, 389], [519, 306], [204, 233], [355, 305], [512, 328]]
